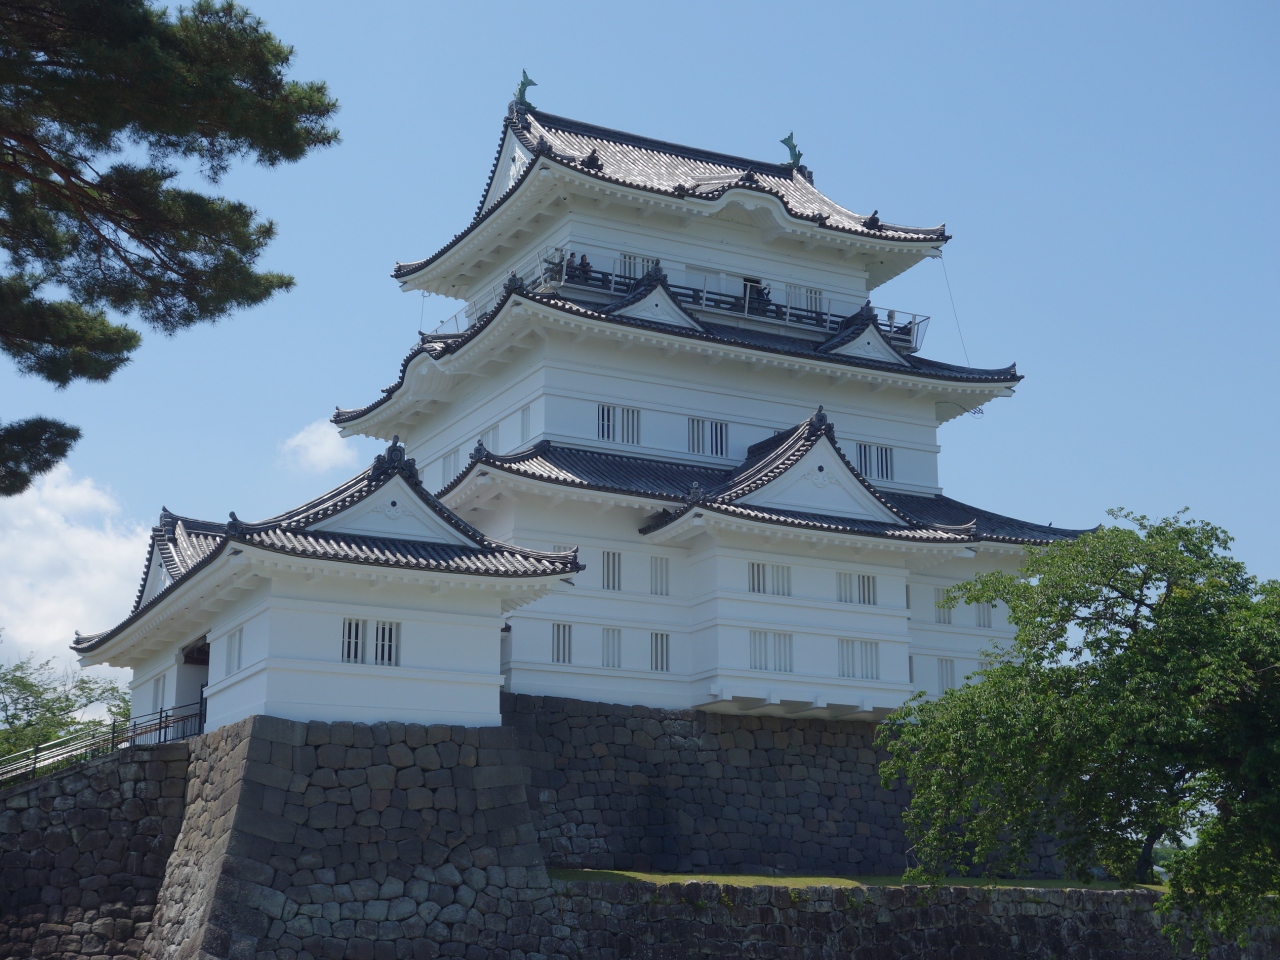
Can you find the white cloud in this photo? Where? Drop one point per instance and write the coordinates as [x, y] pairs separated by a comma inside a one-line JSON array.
[[318, 448], [67, 563]]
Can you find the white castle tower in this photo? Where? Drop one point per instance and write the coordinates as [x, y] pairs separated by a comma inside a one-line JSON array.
[[669, 362]]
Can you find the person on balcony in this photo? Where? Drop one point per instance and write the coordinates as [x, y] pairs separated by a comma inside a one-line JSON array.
[[584, 269], [571, 269]]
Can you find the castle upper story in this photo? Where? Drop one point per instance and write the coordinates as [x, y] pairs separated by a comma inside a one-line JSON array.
[[630, 294]]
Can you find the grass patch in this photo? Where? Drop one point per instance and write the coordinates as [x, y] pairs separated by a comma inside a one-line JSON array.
[[758, 880]]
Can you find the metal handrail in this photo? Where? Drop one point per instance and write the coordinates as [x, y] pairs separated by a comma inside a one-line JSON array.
[[163, 726], [548, 267]]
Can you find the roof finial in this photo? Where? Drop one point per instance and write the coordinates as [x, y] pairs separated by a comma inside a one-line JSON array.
[[819, 419], [789, 141], [872, 222], [395, 452], [696, 492], [234, 526], [479, 452], [525, 84]]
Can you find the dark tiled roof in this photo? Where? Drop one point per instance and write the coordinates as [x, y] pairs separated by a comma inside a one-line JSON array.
[[923, 518], [673, 170], [725, 334], [187, 545]]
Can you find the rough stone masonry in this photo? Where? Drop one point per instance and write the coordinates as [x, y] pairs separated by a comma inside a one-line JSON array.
[[276, 840]]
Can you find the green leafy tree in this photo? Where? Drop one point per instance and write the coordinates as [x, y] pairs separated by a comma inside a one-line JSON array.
[[1138, 705], [39, 703], [100, 101]]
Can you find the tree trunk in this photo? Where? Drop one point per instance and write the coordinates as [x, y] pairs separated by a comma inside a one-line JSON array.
[[1143, 870]]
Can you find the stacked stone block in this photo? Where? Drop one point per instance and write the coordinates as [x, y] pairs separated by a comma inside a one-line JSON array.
[[349, 841], [618, 787], [604, 920], [83, 853]]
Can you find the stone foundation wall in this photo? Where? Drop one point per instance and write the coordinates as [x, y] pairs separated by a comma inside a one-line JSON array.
[[83, 852], [639, 788], [644, 921]]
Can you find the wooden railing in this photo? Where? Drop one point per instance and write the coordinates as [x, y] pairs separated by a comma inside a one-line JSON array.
[[164, 726]]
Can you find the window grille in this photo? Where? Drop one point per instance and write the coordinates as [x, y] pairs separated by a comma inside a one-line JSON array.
[[982, 615], [941, 614], [562, 643], [618, 424], [708, 436], [804, 298], [757, 581], [526, 424], [611, 647], [844, 589], [490, 439], [449, 465], [719, 438], [771, 651], [611, 570], [660, 652], [875, 462], [235, 643], [911, 669], [386, 643], [848, 655], [660, 576], [946, 674], [353, 640], [633, 265], [908, 601], [157, 694], [560, 548], [867, 589], [868, 659], [779, 579]]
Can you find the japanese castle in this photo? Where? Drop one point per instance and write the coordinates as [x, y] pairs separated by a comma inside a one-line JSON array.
[[668, 454]]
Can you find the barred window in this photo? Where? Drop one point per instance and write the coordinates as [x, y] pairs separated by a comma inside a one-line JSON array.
[[634, 266], [618, 424], [611, 647], [386, 643], [771, 650], [611, 570], [449, 465], [941, 614], [660, 576], [353, 640], [490, 439], [660, 652], [867, 589], [235, 646], [757, 578], [526, 425], [946, 674], [708, 436], [845, 592], [779, 579], [562, 643], [875, 462], [982, 615], [859, 659]]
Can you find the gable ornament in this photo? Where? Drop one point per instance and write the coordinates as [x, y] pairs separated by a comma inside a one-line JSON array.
[[525, 83]]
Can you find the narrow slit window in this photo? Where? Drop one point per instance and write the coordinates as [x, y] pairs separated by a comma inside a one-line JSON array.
[[845, 592], [911, 669], [630, 425], [611, 570], [606, 422], [660, 652], [719, 438], [867, 589], [157, 694], [884, 463], [779, 579], [759, 650], [660, 576], [618, 424], [782, 659], [386, 643], [708, 436], [757, 578], [235, 647], [526, 424], [449, 465], [874, 461], [848, 657], [946, 674], [982, 615], [771, 650], [697, 435], [353, 640], [611, 647], [562, 643], [868, 660], [941, 614]]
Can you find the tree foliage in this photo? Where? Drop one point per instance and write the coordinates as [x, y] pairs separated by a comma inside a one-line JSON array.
[[39, 703], [1139, 704], [100, 101]]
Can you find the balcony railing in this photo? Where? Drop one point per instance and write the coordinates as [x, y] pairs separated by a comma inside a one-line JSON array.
[[758, 299], [164, 726]]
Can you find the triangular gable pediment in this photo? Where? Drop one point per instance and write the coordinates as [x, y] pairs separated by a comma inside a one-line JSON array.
[[394, 510], [820, 482], [657, 306], [512, 160], [870, 343], [157, 576]]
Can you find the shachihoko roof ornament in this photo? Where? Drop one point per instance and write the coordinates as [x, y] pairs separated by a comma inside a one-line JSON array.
[[525, 83], [789, 141]]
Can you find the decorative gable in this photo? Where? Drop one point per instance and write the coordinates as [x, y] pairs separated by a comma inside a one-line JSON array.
[[397, 511], [870, 343], [657, 306], [157, 576], [820, 482], [512, 160]]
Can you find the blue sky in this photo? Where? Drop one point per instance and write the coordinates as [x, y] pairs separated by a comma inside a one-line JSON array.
[[1108, 172]]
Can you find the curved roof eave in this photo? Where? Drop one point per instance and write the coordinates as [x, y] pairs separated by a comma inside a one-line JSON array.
[[924, 237]]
